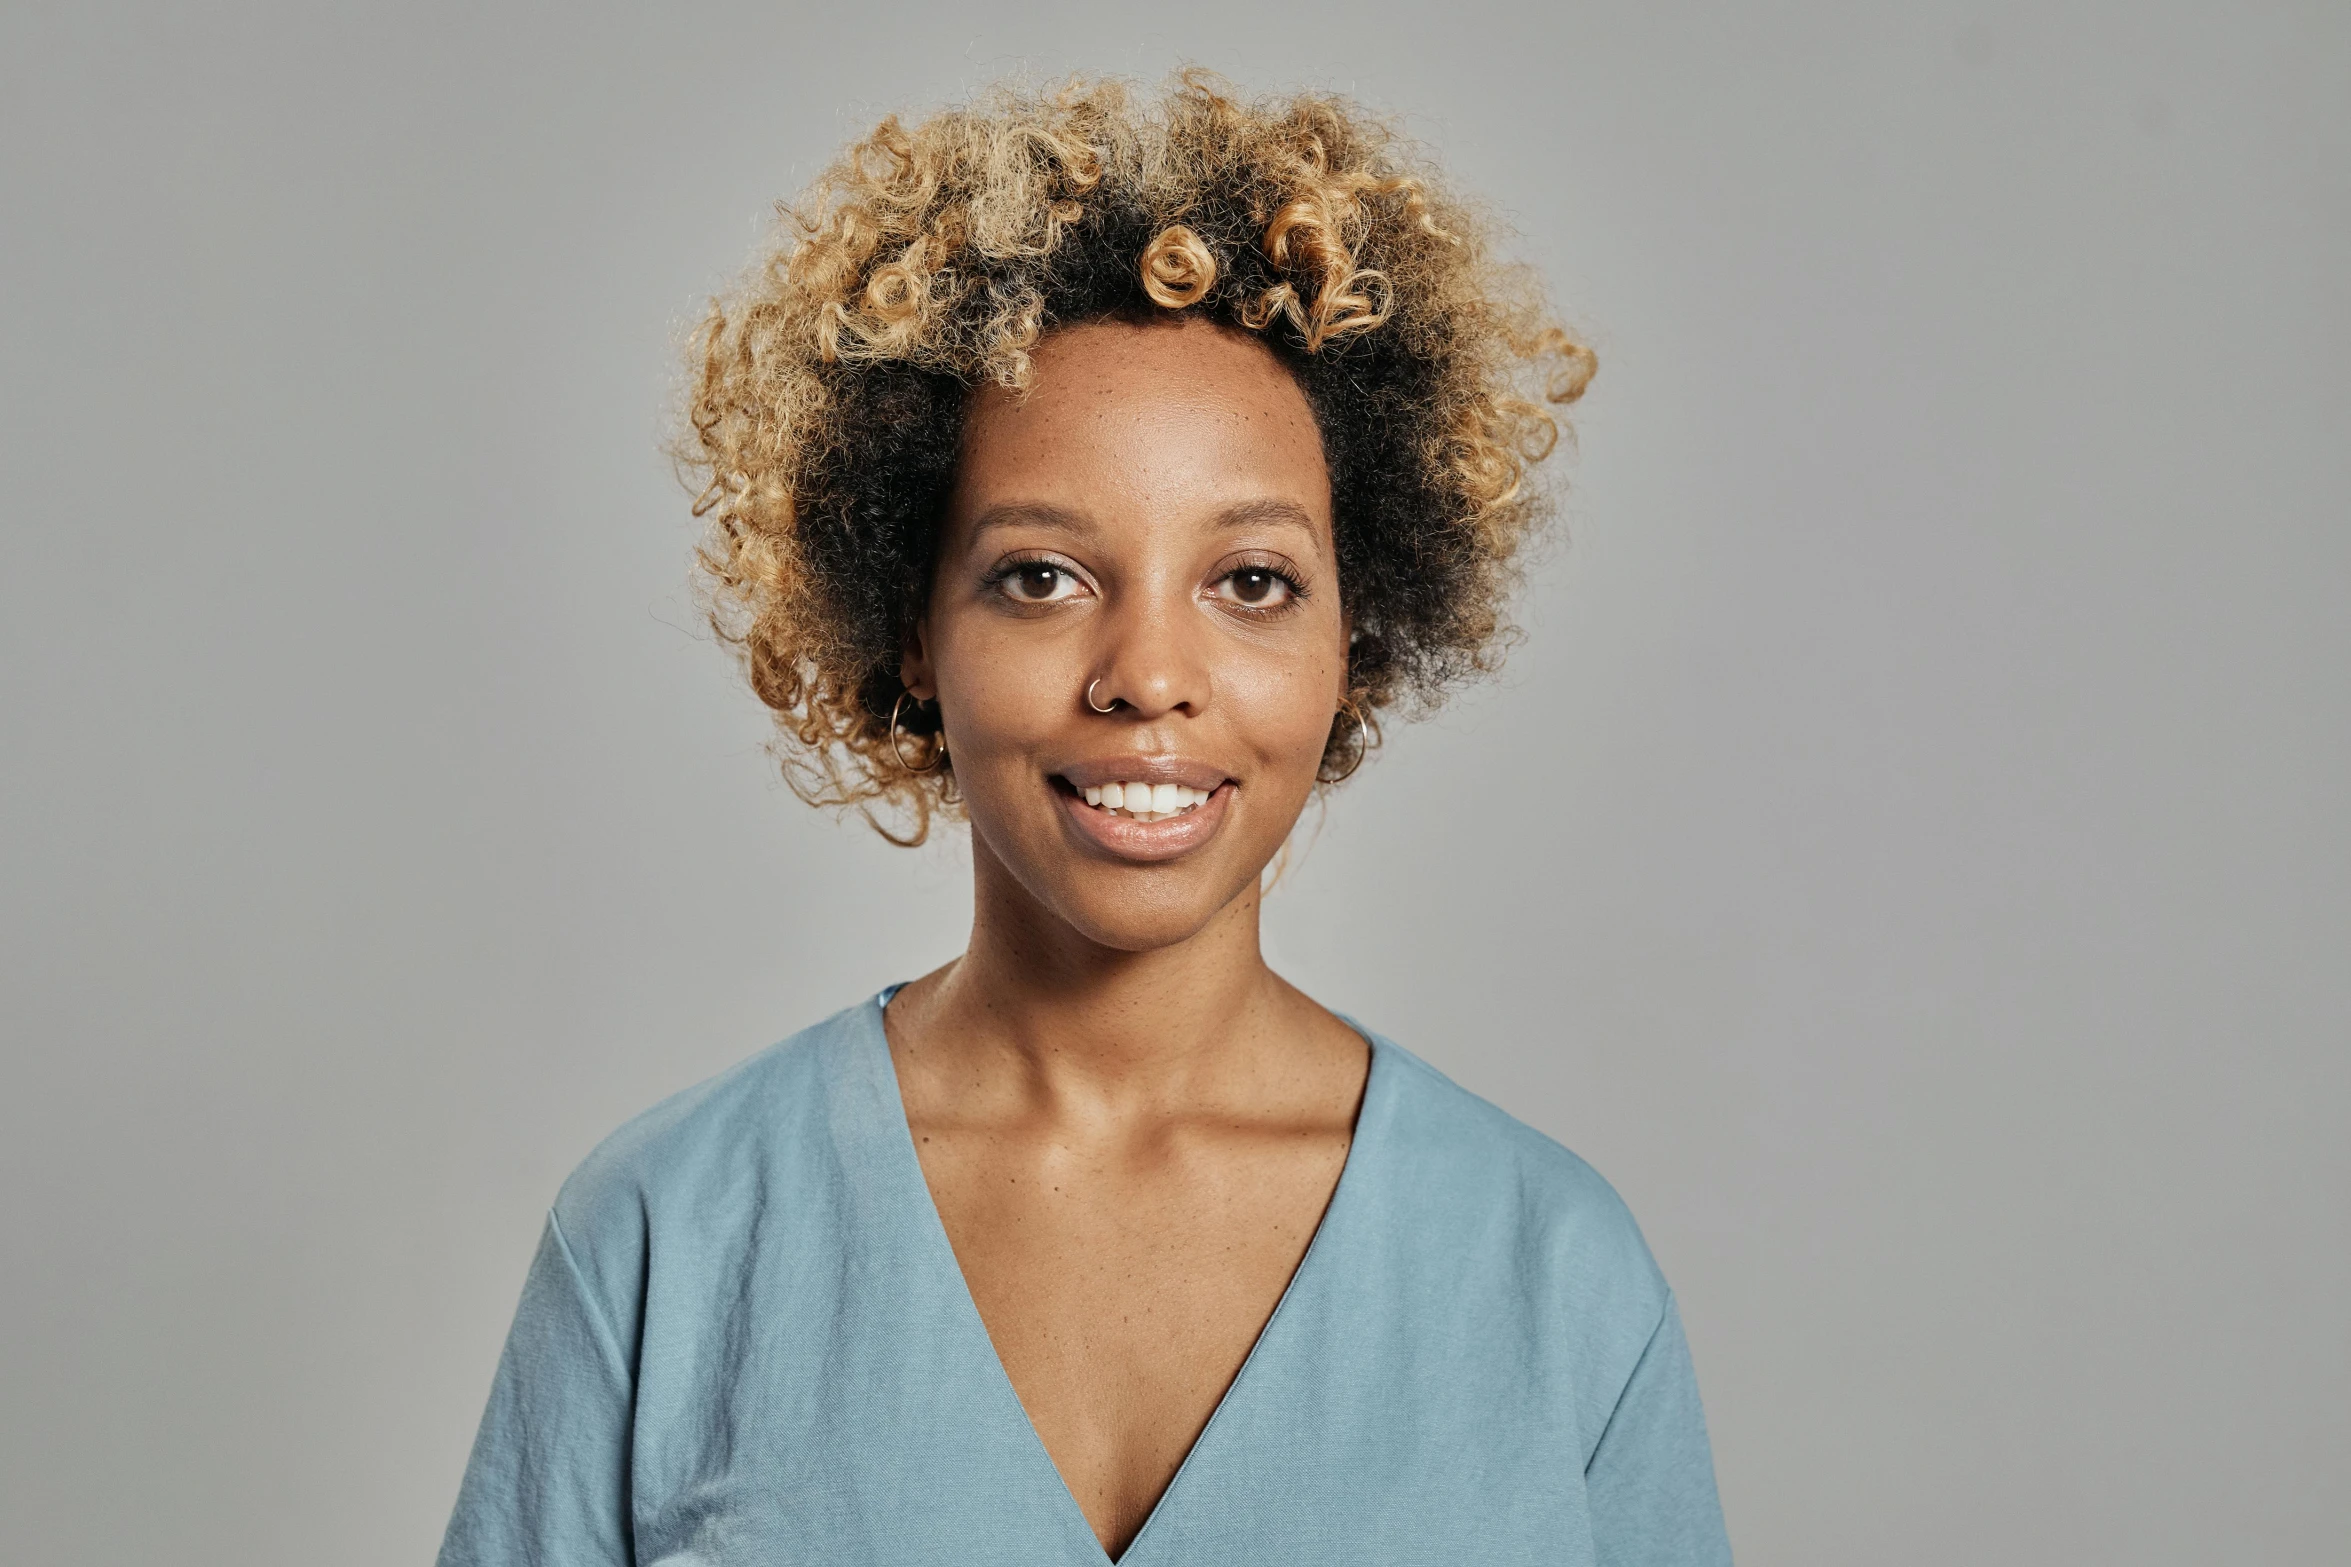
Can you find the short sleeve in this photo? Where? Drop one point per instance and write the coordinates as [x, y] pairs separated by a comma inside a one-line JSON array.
[[1650, 1482], [549, 1478]]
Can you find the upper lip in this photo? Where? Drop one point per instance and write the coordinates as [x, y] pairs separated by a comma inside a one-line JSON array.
[[1144, 769]]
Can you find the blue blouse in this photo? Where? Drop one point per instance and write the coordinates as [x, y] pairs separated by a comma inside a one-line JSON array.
[[745, 1339]]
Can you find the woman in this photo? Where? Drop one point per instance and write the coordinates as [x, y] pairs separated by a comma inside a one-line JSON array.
[[1100, 472]]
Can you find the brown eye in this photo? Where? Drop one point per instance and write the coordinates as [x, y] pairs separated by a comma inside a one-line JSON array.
[[1255, 587], [1038, 582]]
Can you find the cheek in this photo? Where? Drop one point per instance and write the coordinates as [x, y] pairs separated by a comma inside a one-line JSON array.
[[1282, 705], [1000, 693]]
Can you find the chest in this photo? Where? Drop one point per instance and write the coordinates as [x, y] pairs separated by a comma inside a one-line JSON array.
[[817, 1382], [1123, 1286], [1391, 1413]]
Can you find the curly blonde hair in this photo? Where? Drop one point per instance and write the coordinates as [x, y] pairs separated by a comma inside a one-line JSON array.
[[828, 391]]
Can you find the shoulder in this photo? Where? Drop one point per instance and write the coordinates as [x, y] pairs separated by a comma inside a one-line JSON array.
[[709, 1151], [1497, 1183], [1471, 1216]]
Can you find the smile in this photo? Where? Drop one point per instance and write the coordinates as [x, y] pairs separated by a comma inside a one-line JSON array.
[[1145, 819], [1143, 802]]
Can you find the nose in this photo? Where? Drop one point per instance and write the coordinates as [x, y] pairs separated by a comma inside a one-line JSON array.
[[1153, 657]]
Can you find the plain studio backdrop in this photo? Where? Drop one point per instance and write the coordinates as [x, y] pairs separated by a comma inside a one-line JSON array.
[[1907, 853]]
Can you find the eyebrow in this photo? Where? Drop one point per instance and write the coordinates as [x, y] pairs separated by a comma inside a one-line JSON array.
[[1250, 514], [1036, 514], [1032, 514]]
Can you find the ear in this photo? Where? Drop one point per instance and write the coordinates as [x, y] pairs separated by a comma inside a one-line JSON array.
[[914, 664]]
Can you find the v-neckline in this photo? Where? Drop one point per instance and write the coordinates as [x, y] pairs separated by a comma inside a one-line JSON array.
[[943, 1250]]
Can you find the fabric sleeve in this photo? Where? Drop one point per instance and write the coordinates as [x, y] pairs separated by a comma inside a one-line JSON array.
[[549, 1478], [1650, 1482]]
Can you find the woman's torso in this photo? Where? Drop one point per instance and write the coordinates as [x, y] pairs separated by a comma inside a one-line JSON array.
[[747, 1339]]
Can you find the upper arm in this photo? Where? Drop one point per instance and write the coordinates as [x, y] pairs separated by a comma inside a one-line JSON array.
[[549, 1478], [1650, 1480]]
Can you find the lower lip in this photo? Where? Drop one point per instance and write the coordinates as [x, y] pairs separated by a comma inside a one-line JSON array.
[[1146, 842]]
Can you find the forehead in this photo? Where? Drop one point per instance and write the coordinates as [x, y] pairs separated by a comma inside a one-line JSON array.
[[1165, 418]]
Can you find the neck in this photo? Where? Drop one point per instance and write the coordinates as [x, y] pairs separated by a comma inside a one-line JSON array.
[[1078, 1018]]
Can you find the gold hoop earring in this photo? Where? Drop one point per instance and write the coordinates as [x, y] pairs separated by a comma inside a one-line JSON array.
[[1362, 745], [938, 749], [1090, 707]]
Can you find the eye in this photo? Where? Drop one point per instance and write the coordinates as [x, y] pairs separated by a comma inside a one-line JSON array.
[[1037, 582], [1257, 587]]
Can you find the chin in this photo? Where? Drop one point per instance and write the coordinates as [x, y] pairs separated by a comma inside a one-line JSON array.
[[1128, 934], [1148, 912]]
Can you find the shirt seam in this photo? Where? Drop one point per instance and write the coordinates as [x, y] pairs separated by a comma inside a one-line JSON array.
[[1665, 1314], [606, 1337]]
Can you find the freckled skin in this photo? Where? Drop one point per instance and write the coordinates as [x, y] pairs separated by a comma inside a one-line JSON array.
[[1130, 1124]]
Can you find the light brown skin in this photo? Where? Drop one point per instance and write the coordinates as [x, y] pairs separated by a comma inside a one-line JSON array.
[[1130, 1124]]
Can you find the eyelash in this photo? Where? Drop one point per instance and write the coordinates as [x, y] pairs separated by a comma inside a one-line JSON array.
[[1295, 591], [1004, 571]]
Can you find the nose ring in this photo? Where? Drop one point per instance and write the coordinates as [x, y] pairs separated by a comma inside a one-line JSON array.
[[1090, 685]]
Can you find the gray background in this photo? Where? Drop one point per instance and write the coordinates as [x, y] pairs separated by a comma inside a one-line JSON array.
[[1908, 854]]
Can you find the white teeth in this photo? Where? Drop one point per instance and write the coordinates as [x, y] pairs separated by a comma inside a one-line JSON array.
[[1144, 802]]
